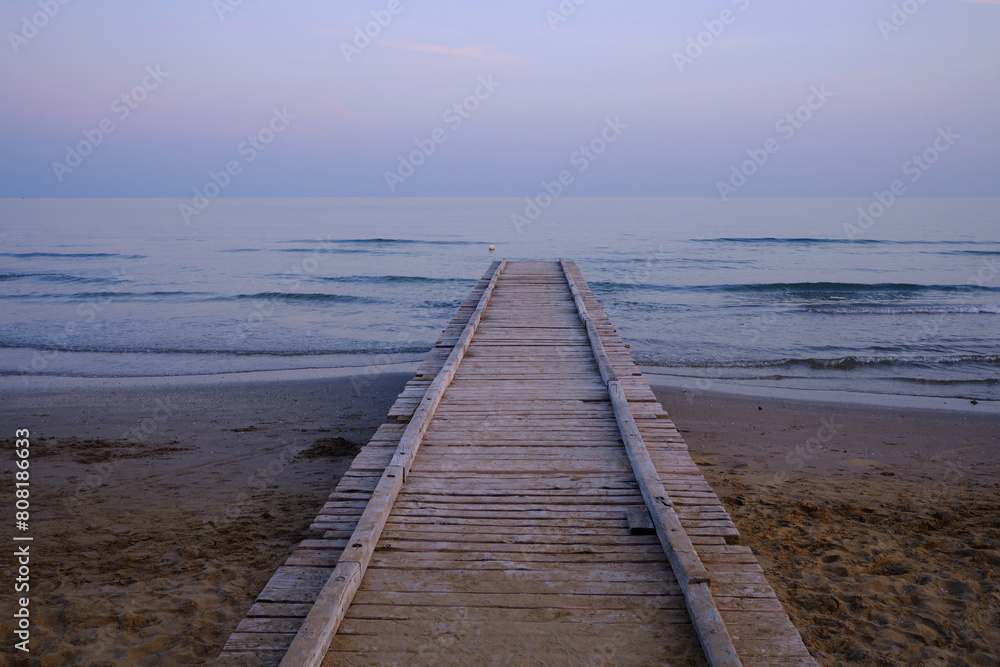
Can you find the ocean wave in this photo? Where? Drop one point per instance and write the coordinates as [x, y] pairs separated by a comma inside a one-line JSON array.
[[79, 296], [317, 250], [986, 309], [382, 280], [383, 241], [989, 253], [450, 305], [291, 297], [931, 381], [297, 297], [771, 240], [663, 259], [803, 289], [352, 246], [647, 307], [54, 277], [69, 255], [849, 362], [850, 288], [360, 348], [838, 363]]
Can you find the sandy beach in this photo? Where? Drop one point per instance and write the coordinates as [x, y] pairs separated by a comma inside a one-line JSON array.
[[877, 527], [160, 510]]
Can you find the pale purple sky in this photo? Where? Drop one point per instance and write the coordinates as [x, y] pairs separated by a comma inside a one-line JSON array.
[[686, 115]]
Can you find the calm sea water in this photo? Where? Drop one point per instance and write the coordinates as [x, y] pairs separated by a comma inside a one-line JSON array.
[[774, 292]]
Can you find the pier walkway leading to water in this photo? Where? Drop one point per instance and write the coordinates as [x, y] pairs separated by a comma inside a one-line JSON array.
[[528, 503]]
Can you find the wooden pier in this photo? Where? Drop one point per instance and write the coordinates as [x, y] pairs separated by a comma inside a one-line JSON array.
[[528, 503]]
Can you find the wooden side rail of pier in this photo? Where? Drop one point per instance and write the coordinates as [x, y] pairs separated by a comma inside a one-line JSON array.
[[529, 502], [687, 566]]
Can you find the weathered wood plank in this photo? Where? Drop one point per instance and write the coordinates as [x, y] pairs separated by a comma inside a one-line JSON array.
[[314, 637], [507, 519], [687, 565]]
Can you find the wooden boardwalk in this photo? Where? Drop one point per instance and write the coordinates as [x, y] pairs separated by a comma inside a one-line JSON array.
[[528, 503]]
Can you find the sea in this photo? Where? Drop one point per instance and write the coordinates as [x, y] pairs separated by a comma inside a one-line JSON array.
[[835, 294]]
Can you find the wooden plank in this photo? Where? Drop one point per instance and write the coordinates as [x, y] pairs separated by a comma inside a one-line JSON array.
[[508, 514], [687, 566], [676, 542], [639, 521], [314, 637]]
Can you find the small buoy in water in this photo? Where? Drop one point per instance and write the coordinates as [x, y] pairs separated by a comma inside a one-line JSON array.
[[492, 248]]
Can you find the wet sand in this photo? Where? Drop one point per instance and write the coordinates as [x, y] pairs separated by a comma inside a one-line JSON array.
[[160, 510]]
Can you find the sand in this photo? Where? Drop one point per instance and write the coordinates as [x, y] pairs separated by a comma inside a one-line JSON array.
[[880, 536], [150, 547], [878, 528]]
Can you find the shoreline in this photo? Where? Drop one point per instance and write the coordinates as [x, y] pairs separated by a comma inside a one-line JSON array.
[[160, 509], [742, 388], [748, 389], [50, 382]]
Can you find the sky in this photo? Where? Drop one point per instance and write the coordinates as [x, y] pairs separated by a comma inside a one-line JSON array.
[[727, 98]]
